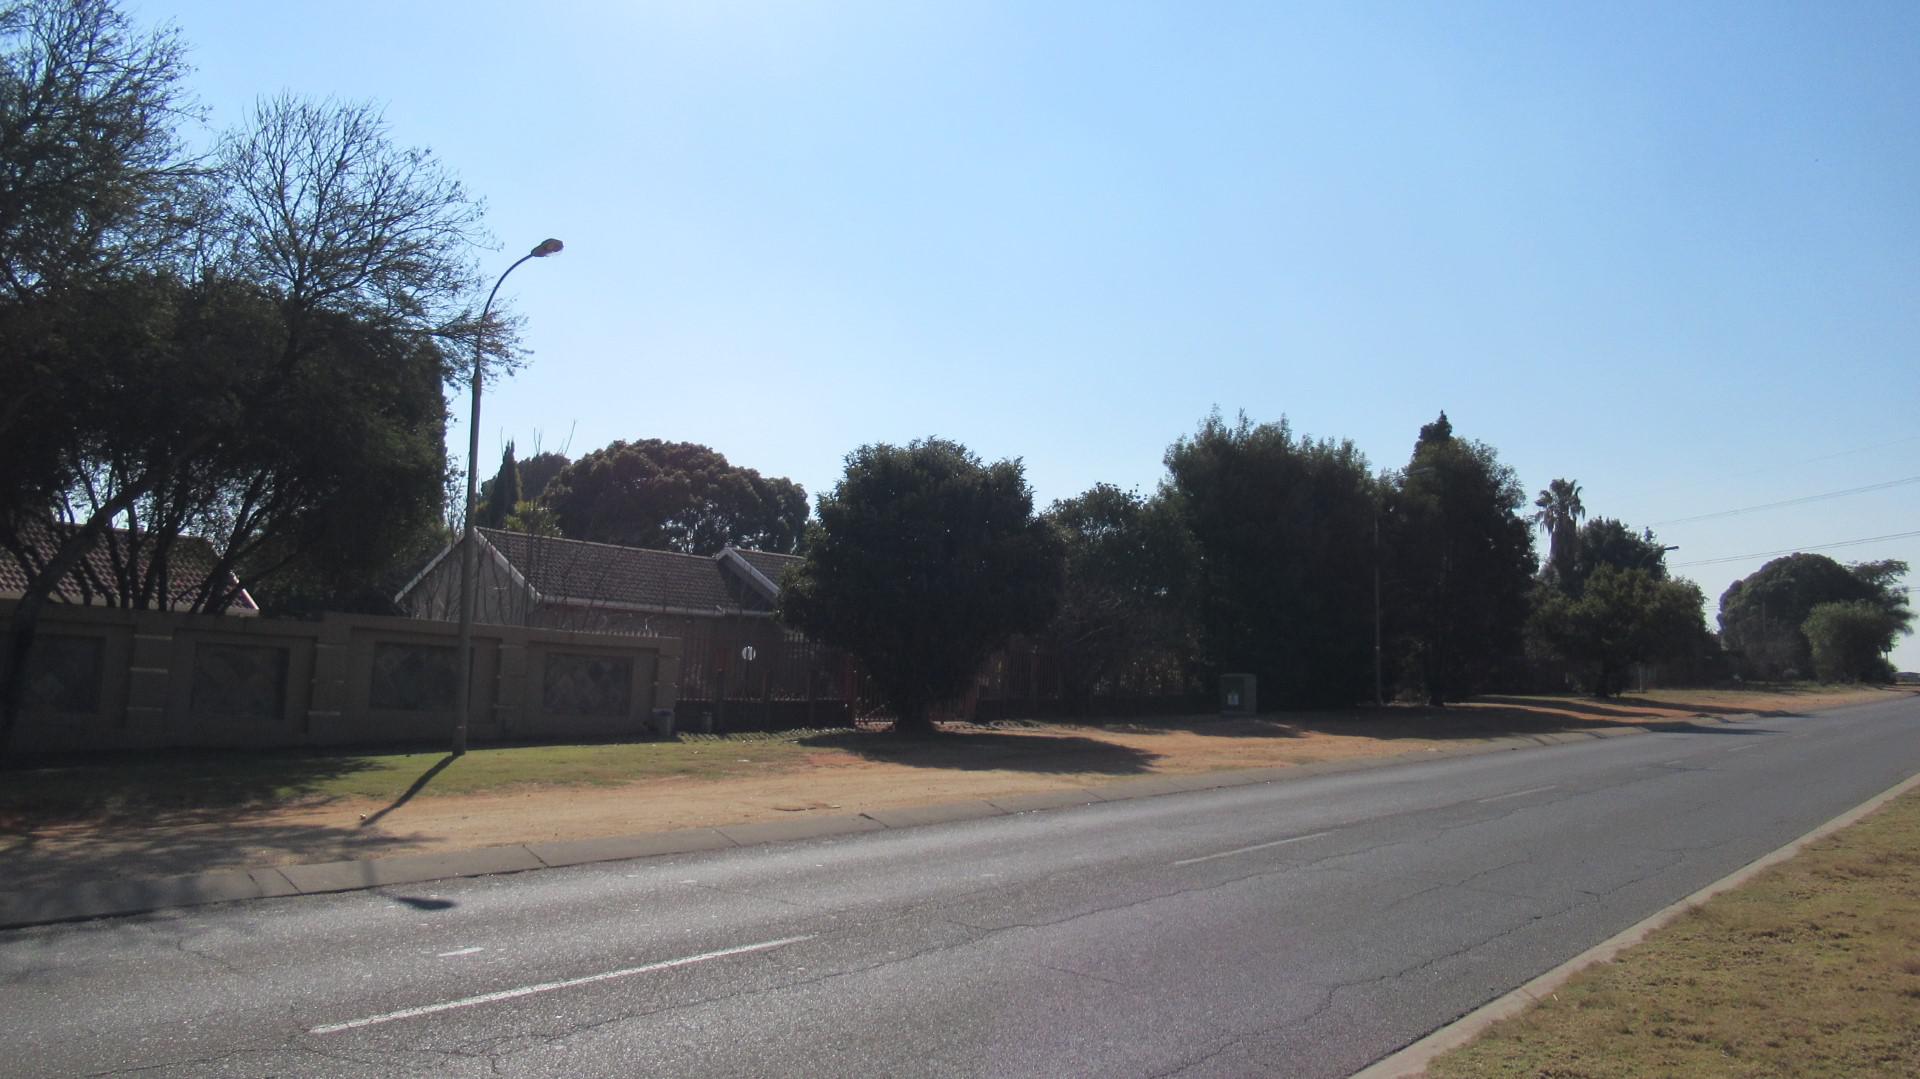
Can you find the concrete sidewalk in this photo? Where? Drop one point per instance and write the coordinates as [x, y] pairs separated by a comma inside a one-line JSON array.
[[112, 898]]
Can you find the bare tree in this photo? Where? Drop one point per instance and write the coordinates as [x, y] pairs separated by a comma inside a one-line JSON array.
[[329, 214], [93, 177], [334, 269]]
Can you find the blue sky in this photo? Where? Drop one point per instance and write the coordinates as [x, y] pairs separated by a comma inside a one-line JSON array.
[[1668, 250]]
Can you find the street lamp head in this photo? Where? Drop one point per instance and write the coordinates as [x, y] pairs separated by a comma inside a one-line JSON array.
[[547, 247]]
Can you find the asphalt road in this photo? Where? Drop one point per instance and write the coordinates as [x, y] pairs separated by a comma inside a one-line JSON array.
[[1301, 928]]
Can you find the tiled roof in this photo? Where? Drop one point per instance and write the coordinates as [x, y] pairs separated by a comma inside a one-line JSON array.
[[189, 561], [772, 566], [582, 572]]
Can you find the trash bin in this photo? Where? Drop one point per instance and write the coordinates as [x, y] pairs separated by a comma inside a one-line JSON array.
[[663, 722]]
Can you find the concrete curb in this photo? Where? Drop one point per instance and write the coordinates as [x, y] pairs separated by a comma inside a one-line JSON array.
[[1411, 1062], [116, 898]]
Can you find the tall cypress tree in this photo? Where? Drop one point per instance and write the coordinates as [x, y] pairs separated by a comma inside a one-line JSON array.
[[505, 494], [1461, 563]]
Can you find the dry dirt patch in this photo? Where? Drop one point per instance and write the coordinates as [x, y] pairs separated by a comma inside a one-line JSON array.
[[835, 773]]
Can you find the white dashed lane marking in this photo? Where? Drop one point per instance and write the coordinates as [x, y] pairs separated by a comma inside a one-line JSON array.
[[1249, 850], [548, 987], [1516, 794]]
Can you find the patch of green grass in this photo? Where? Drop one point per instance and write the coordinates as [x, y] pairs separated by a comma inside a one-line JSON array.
[[1811, 969], [124, 787]]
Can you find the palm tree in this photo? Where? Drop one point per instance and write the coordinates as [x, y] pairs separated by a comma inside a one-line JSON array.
[[1558, 515]]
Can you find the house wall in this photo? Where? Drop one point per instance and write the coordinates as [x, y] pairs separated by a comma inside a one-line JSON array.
[[109, 679]]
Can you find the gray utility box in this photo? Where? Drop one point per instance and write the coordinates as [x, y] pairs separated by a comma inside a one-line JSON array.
[[1239, 695]]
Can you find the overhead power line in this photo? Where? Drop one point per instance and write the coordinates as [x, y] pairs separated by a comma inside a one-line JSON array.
[[1782, 466], [1791, 502], [1796, 550]]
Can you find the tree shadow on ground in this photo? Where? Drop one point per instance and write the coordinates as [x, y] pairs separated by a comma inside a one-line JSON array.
[[406, 796], [115, 788], [176, 844], [1061, 754], [1484, 717], [1489, 719], [1596, 707], [170, 814], [1274, 726], [1278, 726]]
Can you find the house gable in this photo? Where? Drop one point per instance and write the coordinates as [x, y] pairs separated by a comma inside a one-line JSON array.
[[580, 574]]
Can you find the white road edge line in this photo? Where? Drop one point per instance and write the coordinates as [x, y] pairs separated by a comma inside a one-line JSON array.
[[548, 987], [458, 951], [1249, 850], [1516, 794]]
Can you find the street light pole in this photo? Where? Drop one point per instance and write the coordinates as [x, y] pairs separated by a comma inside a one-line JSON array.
[[1379, 684], [469, 546]]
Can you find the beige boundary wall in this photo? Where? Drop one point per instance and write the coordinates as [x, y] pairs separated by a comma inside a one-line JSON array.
[[106, 679]]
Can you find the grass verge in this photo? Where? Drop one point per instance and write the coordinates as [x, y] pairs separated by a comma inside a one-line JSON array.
[[119, 787], [1813, 968], [122, 788]]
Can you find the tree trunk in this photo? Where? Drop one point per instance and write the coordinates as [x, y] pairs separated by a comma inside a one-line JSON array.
[[1603, 682], [13, 662], [914, 721]]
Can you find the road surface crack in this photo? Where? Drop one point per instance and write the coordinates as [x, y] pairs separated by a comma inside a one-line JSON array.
[[744, 894], [1082, 974]]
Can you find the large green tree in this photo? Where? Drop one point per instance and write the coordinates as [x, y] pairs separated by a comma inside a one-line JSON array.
[[923, 561], [1460, 563], [270, 382], [538, 471], [1850, 641], [1129, 573], [95, 190], [299, 337], [1607, 542], [1283, 527], [1763, 614], [680, 496], [1622, 617]]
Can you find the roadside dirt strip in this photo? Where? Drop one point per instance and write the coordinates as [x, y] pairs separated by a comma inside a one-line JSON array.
[[110, 898], [1412, 1062]]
